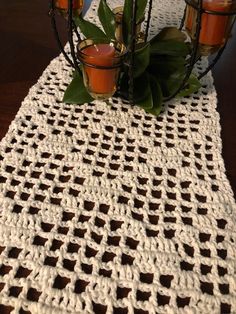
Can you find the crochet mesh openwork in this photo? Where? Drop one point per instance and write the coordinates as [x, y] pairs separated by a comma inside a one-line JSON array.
[[107, 209]]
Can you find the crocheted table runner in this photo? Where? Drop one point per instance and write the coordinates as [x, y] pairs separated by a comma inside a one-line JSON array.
[[106, 209]]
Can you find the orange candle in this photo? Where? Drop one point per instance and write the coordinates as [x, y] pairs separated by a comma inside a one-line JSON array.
[[62, 7], [189, 18], [100, 81], [214, 27], [63, 4]]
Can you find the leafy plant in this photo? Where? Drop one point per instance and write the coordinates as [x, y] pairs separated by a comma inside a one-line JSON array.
[[159, 65], [107, 19], [76, 93], [126, 21]]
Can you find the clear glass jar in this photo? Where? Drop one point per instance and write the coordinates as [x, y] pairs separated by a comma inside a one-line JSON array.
[[101, 61], [62, 7], [215, 29], [118, 11]]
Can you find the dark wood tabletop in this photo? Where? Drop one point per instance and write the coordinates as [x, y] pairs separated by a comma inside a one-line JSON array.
[[27, 46]]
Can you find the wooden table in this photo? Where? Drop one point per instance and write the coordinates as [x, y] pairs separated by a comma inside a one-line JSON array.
[[28, 45]]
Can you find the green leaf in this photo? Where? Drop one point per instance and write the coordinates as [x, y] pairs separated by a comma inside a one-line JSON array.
[[89, 30], [170, 47], [127, 14], [170, 75], [164, 65], [193, 86], [126, 22], [157, 97], [170, 33], [169, 71], [170, 84], [146, 103], [141, 10], [141, 60], [141, 6], [107, 19], [152, 102], [76, 92], [141, 87], [142, 92]]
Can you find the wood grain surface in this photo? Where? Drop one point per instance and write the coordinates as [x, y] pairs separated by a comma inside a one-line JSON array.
[[27, 46]]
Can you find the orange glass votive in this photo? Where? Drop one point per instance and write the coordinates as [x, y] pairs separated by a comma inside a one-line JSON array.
[[101, 60], [215, 29], [62, 7]]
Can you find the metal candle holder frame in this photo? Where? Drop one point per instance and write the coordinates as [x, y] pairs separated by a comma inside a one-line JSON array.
[[74, 62]]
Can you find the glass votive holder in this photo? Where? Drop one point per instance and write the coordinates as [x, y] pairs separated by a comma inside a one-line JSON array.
[[215, 24], [101, 61], [118, 11], [62, 7]]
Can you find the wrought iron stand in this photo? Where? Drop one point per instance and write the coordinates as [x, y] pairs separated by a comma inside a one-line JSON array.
[[197, 5]]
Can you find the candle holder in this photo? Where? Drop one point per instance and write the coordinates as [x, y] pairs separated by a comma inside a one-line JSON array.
[[118, 11], [101, 61], [217, 18], [62, 7], [153, 70]]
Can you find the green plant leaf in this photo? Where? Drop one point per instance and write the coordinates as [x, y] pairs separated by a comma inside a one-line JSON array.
[[141, 10], [146, 103], [141, 60], [107, 19], [89, 30], [164, 65], [170, 47], [141, 6], [193, 86], [169, 72], [126, 22], [147, 92], [170, 75], [157, 97], [152, 102], [76, 92], [141, 87], [142, 92], [170, 33], [169, 85], [127, 25]]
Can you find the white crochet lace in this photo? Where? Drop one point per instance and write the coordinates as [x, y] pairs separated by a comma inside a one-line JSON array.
[[106, 209]]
